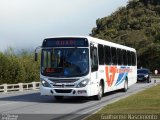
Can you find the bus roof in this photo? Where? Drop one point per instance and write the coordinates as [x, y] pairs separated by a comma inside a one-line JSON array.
[[98, 41], [108, 43]]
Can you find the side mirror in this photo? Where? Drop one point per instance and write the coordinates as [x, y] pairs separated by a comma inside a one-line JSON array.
[[36, 57], [36, 54]]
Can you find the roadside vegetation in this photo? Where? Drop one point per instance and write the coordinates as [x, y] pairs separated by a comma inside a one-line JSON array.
[[145, 102], [137, 25], [18, 67]]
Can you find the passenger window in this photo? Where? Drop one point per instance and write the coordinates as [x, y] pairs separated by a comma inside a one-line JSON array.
[[114, 55], [107, 51], [133, 59], [101, 54], [119, 54], [129, 58], [94, 58], [124, 57]]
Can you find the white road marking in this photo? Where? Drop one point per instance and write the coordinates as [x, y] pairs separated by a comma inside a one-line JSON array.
[[8, 103]]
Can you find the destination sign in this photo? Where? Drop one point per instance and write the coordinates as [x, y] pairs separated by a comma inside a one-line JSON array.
[[65, 42]]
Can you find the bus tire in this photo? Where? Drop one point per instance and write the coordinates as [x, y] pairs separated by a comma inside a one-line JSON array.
[[125, 85], [58, 97], [100, 92]]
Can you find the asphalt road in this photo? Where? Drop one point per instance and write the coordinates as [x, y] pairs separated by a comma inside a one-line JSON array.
[[29, 105]]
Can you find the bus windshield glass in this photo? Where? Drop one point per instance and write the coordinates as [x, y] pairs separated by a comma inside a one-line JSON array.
[[65, 62]]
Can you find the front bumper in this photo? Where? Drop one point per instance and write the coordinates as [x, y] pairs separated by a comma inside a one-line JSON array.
[[142, 79], [50, 91]]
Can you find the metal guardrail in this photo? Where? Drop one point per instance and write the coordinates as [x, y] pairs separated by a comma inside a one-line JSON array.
[[32, 86], [19, 87], [155, 76]]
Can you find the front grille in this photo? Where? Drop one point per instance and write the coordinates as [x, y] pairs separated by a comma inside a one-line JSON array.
[[63, 80], [140, 76], [62, 86], [63, 91]]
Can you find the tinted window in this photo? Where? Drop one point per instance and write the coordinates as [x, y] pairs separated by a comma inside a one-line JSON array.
[[124, 57], [114, 55], [129, 58], [119, 56], [94, 58], [107, 51], [133, 58], [101, 54], [142, 71]]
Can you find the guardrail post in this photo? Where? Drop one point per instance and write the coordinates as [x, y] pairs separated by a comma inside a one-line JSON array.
[[20, 86], [155, 82], [38, 85], [5, 87], [34, 85]]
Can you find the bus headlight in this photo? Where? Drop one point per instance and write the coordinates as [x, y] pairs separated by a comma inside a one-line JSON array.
[[45, 83], [83, 83]]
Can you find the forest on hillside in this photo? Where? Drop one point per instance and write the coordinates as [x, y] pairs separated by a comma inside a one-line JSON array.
[[137, 25]]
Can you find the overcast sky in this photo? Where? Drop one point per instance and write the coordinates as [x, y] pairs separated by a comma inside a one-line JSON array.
[[25, 23]]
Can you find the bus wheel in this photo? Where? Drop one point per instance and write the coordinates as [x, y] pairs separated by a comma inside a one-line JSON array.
[[58, 97], [100, 92], [125, 86]]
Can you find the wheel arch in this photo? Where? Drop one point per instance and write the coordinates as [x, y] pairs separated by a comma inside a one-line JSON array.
[[103, 83]]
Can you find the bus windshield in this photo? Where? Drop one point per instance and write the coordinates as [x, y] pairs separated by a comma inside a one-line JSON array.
[[65, 62]]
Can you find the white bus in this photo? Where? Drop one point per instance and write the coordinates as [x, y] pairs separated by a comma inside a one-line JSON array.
[[85, 66]]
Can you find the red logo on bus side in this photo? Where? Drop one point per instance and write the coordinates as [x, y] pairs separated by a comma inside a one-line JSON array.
[[110, 74]]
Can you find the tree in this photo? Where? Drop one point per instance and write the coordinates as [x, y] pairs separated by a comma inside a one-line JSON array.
[[136, 25], [18, 68]]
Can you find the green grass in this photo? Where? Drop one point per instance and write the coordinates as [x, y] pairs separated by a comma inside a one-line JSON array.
[[145, 102]]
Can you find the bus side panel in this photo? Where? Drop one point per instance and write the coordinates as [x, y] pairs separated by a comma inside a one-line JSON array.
[[112, 77], [132, 78], [109, 75], [129, 72], [115, 77], [94, 83], [102, 76]]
